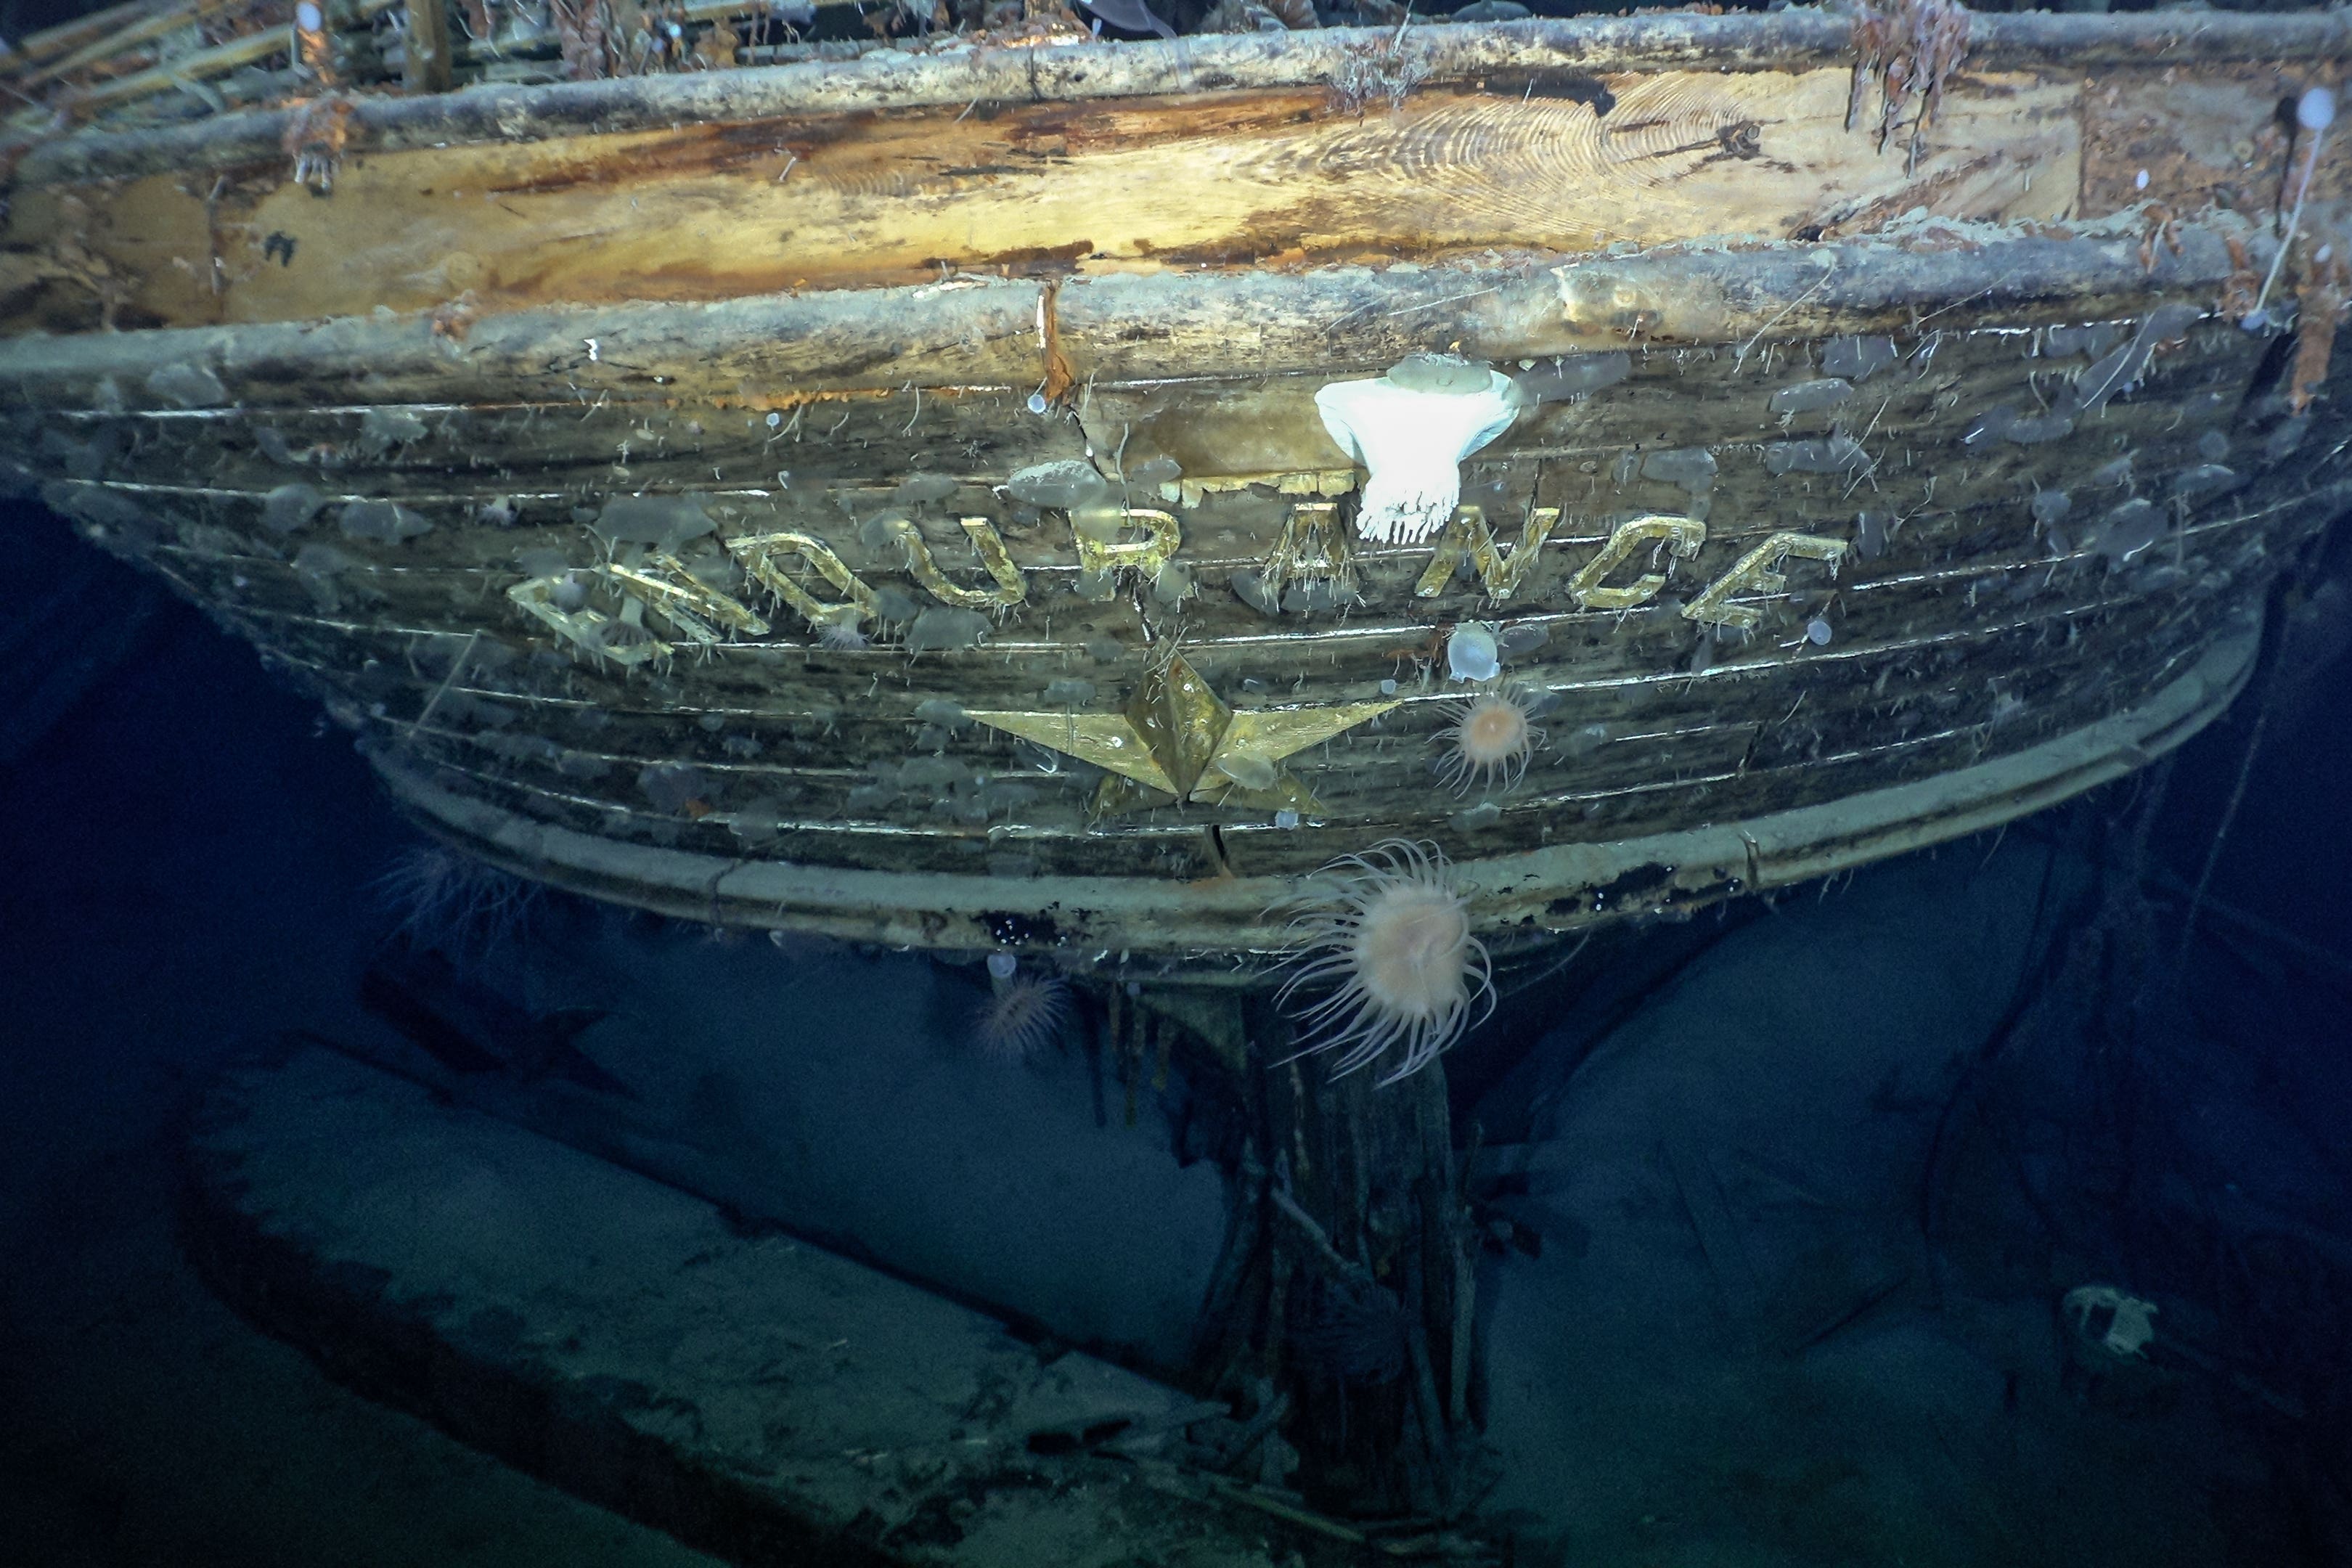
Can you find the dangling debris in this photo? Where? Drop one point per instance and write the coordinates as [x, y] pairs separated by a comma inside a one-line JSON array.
[[1910, 49]]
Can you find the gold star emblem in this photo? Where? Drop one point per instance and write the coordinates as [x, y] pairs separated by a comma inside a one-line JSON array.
[[1176, 740]]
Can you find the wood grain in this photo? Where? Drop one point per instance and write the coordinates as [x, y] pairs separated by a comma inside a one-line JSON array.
[[705, 212], [1076, 72]]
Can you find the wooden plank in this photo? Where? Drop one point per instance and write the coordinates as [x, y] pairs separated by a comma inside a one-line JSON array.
[[756, 1396], [710, 212], [1530, 891], [763, 351], [1117, 329], [160, 241], [154, 24], [218, 61], [1077, 71], [969, 331]]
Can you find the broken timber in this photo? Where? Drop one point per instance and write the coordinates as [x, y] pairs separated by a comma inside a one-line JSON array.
[[755, 1395]]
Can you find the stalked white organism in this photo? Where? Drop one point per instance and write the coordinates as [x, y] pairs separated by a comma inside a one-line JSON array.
[[1411, 429], [1388, 937], [2315, 112], [1489, 740]]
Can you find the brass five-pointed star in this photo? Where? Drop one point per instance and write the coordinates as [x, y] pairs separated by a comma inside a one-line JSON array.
[[1176, 740]]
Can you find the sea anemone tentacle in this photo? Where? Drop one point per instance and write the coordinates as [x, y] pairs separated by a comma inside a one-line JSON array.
[[1489, 740], [444, 900], [1388, 933], [1023, 1014]]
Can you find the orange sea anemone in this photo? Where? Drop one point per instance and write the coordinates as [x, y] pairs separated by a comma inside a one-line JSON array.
[[1489, 740]]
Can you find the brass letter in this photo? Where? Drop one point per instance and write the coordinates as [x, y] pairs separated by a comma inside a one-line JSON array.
[[1101, 550], [754, 551], [684, 603], [585, 627], [1009, 589], [1311, 548], [1683, 535], [1756, 573], [1499, 574]]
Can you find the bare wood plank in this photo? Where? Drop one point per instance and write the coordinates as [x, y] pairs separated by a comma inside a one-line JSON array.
[[1081, 71], [704, 212]]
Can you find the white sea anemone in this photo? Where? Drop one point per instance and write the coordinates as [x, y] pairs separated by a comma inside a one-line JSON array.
[[1392, 937], [446, 901], [1023, 1014], [1489, 740], [842, 635]]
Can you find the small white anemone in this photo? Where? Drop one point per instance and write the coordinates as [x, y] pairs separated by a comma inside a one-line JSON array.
[[841, 634], [1024, 1011], [1391, 936], [1489, 740], [451, 904]]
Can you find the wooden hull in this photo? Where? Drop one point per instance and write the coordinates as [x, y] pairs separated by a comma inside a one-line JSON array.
[[1775, 544]]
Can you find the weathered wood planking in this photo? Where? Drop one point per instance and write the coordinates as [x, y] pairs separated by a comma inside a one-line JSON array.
[[1643, 657], [765, 351], [1072, 69], [1969, 637], [711, 212], [1671, 756], [669, 288], [554, 460], [1189, 907], [779, 352], [846, 455], [696, 213]]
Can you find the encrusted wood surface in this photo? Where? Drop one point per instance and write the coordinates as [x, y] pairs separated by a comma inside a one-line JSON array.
[[1163, 929], [758, 1397], [1783, 521], [965, 335], [1958, 628]]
